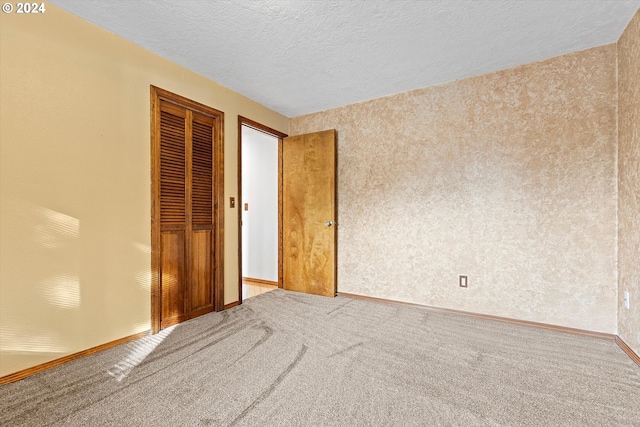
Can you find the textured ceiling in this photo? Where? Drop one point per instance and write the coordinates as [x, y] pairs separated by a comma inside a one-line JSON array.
[[302, 56]]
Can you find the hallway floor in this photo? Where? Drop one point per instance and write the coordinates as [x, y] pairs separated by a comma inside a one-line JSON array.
[[252, 289]]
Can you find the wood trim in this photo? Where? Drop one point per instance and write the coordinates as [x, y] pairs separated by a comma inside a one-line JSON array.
[[632, 354], [336, 220], [239, 209], [243, 121], [187, 103], [156, 302], [157, 95], [231, 305], [16, 376], [260, 127], [258, 282], [574, 331], [218, 212], [280, 224]]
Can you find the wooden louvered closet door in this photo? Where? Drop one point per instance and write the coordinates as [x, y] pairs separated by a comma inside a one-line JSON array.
[[186, 214]]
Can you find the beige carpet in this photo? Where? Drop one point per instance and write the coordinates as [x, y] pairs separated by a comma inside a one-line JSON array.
[[286, 359]]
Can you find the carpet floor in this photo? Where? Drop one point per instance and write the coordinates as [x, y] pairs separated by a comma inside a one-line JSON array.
[[289, 359]]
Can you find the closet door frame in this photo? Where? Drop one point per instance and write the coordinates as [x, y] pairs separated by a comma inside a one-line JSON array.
[[157, 96]]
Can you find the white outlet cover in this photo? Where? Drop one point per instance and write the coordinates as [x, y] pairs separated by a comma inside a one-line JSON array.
[[626, 300]]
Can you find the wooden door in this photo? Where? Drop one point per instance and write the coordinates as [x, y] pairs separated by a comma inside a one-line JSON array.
[[200, 254], [186, 210], [173, 213], [309, 213]]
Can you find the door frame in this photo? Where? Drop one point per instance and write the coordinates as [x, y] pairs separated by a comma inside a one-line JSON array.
[[243, 121], [158, 95]]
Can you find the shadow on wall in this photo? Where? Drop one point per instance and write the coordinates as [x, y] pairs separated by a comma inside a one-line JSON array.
[[45, 236], [49, 310]]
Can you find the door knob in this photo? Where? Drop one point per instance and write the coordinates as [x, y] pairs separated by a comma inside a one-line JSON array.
[[328, 223]]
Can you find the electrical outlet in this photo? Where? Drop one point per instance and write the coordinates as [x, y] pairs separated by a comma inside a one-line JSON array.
[[463, 281], [626, 300]]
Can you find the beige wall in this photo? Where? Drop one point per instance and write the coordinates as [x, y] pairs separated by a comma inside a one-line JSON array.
[[508, 177], [75, 183], [629, 183]]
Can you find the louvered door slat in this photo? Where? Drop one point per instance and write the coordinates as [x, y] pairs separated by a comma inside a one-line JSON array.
[[172, 169], [202, 170]]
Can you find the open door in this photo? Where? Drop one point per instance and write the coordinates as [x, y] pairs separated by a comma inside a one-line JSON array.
[[309, 213]]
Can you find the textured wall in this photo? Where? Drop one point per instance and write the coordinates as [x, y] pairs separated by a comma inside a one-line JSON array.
[[629, 183], [507, 177], [75, 213]]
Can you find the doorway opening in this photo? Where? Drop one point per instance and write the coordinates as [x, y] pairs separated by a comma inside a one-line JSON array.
[[260, 208]]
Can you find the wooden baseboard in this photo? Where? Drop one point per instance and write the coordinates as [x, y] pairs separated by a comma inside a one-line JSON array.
[[258, 282], [16, 376], [547, 326], [632, 354], [230, 305]]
